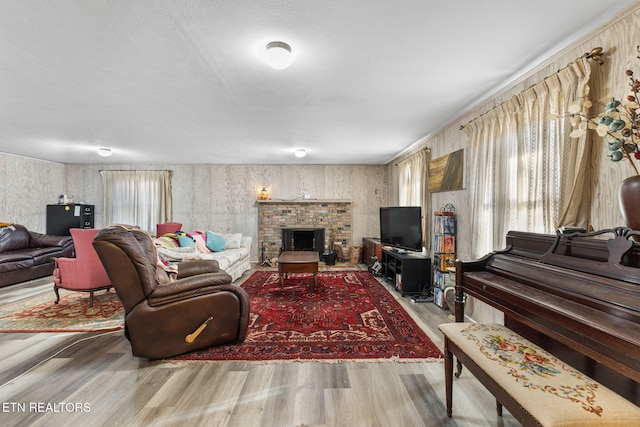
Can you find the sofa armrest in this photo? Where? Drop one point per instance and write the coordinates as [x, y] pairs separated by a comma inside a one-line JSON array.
[[195, 267], [40, 240]]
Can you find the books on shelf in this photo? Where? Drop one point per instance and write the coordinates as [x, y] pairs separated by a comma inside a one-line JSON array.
[[449, 243], [441, 279], [448, 262], [438, 297], [444, 253], [444, 224], [444, 262], [444, 243]]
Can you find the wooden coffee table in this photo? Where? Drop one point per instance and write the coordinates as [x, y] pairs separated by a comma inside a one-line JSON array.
[[298, 262]]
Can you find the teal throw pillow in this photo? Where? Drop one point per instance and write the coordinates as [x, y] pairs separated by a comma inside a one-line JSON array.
[[215, 242], [186, 241]]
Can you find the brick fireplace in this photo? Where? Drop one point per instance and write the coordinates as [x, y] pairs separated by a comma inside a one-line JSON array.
[[334, 216]]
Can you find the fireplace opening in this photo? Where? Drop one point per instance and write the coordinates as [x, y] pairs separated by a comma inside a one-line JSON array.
[[303, 239]]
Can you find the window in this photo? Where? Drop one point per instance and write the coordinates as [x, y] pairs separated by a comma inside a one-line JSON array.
[[137, 197], [527, 173], [413, 184]]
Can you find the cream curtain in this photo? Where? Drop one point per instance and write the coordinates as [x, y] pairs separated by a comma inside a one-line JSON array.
[[137, 197], [527, 173], [576, 181], [414, 185]]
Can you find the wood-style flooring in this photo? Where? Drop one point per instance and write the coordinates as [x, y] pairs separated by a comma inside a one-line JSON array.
[[91, 379]]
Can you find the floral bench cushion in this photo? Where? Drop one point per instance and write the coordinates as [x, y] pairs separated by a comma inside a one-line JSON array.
[[552, 391]]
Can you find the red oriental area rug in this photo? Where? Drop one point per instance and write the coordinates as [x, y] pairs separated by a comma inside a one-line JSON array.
[[350, 317]]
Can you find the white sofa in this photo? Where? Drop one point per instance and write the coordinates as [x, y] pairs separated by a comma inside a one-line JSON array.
[[234, 259]]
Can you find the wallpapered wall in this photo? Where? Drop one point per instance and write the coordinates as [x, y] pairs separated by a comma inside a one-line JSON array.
[[619, 41], [223, 197], [216, 197], [28, 186]]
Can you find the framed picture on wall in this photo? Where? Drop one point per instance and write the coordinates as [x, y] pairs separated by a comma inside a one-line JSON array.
[[446, 173]]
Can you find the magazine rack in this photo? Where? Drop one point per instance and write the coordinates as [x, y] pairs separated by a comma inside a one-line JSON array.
[[444, 252]]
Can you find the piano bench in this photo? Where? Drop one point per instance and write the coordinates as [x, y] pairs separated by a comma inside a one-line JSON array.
[[536, 387]]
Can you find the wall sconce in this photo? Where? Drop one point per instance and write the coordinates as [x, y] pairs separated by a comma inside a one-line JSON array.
[[263, 194]]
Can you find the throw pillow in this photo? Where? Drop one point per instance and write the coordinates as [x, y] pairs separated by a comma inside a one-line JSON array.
[[246, 242], [186, 241], [232, 241], [215, 241]]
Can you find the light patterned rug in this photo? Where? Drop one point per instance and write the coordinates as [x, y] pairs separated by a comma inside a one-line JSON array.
[[72, 314]]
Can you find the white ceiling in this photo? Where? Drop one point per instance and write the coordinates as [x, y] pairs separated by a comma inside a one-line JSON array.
[[177, 81]]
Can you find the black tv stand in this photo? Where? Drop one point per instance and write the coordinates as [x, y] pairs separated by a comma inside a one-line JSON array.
[[408, 272]]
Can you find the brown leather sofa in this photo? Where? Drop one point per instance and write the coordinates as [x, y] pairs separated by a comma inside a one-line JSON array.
[[164, 317], [27, 255]]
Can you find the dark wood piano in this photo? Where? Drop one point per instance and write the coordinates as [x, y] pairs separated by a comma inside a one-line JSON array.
[[575, 294]]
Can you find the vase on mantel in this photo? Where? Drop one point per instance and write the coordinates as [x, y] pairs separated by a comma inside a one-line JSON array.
[[629, 199]]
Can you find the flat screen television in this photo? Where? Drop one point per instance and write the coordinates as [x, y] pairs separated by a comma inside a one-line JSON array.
[[401, 227]]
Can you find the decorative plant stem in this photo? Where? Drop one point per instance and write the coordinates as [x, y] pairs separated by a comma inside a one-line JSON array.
[[618, 123]]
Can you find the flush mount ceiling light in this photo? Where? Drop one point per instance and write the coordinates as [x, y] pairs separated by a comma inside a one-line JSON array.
[[300, 152], [278, 55], [104, 152]]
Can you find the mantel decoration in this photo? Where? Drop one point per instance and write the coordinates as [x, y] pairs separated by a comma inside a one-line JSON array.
[[619, 124], [263, 194]]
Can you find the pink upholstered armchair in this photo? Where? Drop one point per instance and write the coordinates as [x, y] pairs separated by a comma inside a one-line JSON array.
[[167, 227], [85, 272]]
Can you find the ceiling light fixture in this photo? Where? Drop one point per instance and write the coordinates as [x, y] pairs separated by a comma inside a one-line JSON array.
[[104, 152], [278, 55], [300, 152]]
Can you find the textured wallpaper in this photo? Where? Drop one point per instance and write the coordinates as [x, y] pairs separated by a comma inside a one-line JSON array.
[[28, 186], [223, 197]]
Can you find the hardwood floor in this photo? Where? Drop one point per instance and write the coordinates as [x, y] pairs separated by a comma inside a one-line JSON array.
[[81, 379]]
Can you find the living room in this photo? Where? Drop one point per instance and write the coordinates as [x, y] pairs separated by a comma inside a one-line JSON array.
[[236, 186], [222, 196]]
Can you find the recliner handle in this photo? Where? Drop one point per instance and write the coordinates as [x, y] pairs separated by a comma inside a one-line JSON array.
[[191, 337]]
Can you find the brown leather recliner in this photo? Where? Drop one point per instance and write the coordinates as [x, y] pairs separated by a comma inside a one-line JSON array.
[[165, 318]]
